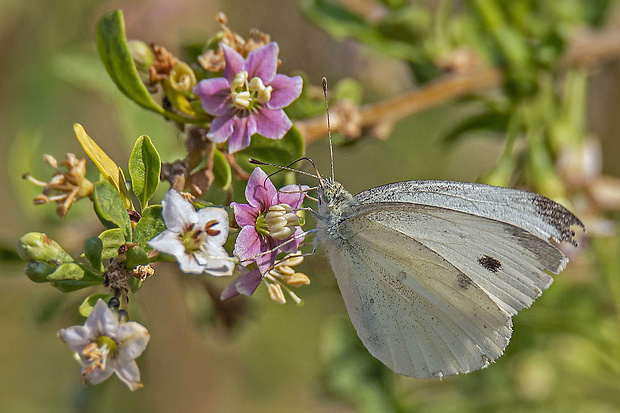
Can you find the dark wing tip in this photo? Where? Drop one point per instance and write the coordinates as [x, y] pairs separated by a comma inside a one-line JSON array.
[[558, 217]]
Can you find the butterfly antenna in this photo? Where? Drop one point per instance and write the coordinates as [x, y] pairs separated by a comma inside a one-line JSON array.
[[329, 129], [288, 167]]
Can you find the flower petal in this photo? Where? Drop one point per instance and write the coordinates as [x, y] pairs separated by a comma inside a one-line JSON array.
[[260, 191], [221, 128], [243, 130], [76, 337], [234, 62], [214, 95], [102, 320], [177, 211], [219, 267], [220, 216], [244, 214], [262, 62], [246, 283], [168, 242], [132, 338], [247, 244], [97, 375], [272, 124], [266, 261], [292, 195], [128, 373], [190, 264], [293, 246], [285, 91]]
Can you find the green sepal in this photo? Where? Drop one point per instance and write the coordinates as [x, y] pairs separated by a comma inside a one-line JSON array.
[[112, 239], [110, 209], [93, 249], [144, 169], [89, 303], [116, 57], [134, 284], [221, 170], [149, 225], [135, 256]]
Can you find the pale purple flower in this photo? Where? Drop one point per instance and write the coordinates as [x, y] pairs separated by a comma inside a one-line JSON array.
[[104, 346], [249, 98], [277, 280], [246, 283], [268, 221], [194, 238]]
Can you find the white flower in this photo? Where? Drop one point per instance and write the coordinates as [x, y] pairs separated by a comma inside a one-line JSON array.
[[104, 346], [194, 238]]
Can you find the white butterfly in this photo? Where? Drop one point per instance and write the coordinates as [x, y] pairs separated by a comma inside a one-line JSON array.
[[432, 271]]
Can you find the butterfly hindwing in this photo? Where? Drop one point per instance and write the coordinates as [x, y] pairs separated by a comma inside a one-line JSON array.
[[413, 310]]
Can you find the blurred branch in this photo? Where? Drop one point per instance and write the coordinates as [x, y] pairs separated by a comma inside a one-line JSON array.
[[587, 49]]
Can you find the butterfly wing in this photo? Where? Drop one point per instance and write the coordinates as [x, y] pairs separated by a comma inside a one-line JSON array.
[[412, 309], [501, 238]]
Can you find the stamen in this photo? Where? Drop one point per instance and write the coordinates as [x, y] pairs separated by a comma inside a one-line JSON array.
[[209, 228]]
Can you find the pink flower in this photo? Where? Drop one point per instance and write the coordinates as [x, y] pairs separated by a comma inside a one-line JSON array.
[[249, 98], [268, 222]]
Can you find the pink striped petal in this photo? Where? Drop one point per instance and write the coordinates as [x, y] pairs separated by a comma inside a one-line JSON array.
[[262, 62], [285, 91], [214, 95]]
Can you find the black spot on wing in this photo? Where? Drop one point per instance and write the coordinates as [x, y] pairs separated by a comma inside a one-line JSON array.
[[490, 263], [463, 280]]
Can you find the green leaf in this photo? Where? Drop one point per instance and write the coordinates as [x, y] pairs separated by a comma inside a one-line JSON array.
[[149, 225], [89, 303], [116, 57], [67, 277], [281, 152], [112, 239], [93, 248], [343, 24], [110, 208], [221, 170], [144, 168], [135, 256]]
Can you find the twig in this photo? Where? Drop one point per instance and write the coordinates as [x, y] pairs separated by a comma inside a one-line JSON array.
[[587, 49]]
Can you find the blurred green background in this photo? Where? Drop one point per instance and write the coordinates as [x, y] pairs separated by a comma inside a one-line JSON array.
[[564, 355]]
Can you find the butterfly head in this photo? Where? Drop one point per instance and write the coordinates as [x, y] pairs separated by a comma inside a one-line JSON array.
[[332, 196]]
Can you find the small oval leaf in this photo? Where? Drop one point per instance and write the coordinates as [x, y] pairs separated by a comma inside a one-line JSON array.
[[89, 303], [149, 225], [93, 248], [221, 170], [112, 239], [144, 169], [110, 208]]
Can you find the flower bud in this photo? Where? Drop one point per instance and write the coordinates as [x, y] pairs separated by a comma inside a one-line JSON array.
[[36, 246], [182, 77], [142, 55], [39, 271]]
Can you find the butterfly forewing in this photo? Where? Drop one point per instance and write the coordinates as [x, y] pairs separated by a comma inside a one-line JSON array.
[[506, 261]]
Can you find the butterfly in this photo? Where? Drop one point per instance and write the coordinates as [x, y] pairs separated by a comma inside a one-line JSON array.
[[432, 272]]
